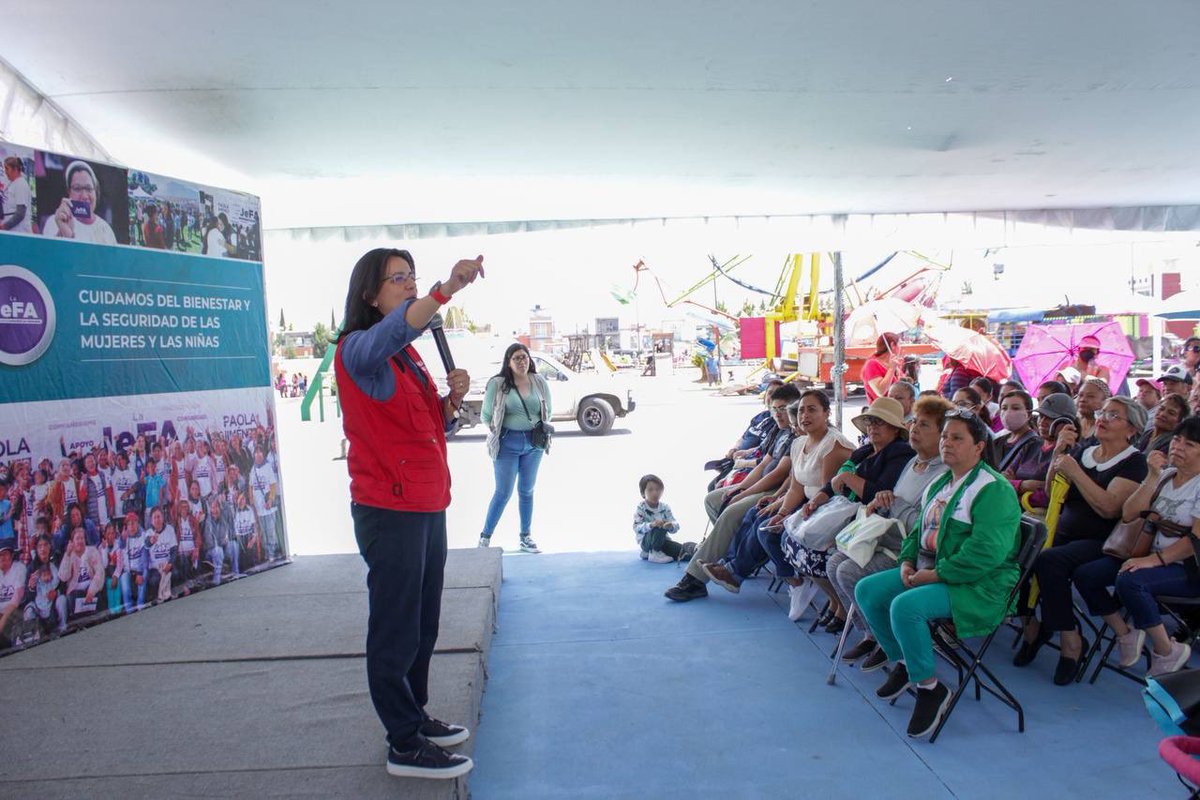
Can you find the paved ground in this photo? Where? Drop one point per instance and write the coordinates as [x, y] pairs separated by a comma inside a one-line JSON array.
[[587, 487]]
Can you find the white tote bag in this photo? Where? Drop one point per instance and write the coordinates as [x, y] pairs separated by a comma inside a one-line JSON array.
[[859, 538], [818, 531]]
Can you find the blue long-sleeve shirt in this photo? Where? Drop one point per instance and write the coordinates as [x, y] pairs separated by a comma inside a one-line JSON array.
[[367, 354]]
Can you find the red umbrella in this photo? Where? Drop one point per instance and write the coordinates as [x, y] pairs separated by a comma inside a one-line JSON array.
[[973, 350]]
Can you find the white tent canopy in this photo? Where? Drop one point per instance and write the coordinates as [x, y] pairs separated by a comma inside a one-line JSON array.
[[381, 114]]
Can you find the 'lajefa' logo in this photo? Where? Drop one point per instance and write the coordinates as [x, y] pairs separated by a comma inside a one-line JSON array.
[[26, 316]]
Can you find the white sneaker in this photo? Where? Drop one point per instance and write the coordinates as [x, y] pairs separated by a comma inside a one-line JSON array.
[[801, 598], [643, 555], [1172, 661], [1130, 647], [659, 557]]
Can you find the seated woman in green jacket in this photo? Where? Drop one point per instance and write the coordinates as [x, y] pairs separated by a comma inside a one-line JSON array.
[[958, 562]]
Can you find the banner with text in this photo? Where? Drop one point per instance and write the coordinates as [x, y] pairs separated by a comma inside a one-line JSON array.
[[138, 452]]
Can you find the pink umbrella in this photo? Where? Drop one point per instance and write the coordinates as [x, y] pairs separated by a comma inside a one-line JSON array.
[[1047, 349], [973, 350]]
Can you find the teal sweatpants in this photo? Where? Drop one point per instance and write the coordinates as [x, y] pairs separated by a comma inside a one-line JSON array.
[[899, 617]]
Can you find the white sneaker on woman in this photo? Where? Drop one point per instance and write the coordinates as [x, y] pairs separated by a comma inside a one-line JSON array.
[[1130, 647], [1174, 660]]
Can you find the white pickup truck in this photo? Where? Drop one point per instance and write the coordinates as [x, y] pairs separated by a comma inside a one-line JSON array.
[[592, 401]]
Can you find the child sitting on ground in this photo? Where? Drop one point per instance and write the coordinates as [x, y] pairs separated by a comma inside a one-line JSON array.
[[653, 521]]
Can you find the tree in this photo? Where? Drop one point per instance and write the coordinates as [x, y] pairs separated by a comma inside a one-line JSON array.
[[332, 321], [747, 309], [722, 307], [282, 324], [456, 318], [322, 336]]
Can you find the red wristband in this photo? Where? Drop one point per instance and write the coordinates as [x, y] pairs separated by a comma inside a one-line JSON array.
[[439, 297]]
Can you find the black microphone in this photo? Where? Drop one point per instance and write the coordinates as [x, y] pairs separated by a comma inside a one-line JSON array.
[[439, 338]]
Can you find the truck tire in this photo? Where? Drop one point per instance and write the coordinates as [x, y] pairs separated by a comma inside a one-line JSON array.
[[595, 416]]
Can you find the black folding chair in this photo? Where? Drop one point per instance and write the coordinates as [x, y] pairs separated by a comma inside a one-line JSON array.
[[968, 662], [1106, 637]]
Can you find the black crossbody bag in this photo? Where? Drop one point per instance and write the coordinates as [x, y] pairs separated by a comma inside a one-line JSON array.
[[540, 435]]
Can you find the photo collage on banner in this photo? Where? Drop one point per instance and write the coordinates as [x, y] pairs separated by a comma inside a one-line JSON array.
[[138, 450]]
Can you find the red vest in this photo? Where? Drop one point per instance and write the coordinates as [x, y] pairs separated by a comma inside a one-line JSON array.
[[397, 456]]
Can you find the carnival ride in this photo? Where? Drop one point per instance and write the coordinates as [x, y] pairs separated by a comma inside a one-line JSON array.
[[794, 337]]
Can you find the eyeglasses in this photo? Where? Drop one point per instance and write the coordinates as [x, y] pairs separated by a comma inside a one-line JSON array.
[[1114, 416], [778, 409], [873, 422], [398, 278], [520, 359], [967, 404], [81, 189], [1195, 348]]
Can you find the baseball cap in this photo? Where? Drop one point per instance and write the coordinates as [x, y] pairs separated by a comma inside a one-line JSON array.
[[1070, 375], [1149, 382], [1057, 406], [8, 545], [1176, 372]]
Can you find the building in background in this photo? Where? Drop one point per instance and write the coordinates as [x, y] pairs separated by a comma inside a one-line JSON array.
[[298, 344], [541, 330]]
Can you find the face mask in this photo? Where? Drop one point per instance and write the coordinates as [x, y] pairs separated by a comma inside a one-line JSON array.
[[1014, 420], [1087, 355]]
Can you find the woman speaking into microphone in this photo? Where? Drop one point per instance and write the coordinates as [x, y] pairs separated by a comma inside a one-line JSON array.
[[399, 490]]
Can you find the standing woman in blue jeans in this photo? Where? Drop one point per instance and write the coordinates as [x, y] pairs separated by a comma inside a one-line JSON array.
[[516, 400]]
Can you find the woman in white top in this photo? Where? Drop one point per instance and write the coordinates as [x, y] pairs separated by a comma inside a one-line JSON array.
[[903, 504], [216, 239], [816, 454]]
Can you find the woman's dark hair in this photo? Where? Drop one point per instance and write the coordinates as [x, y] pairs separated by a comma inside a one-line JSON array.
[[985, 386], [1189, 429], [506, 372], [822, 398], [787, 392], [1181, 406], [364, 285], [974, 423], [977, 400], [647, 480], [1022, 395], [886, 343], [1058, 387]]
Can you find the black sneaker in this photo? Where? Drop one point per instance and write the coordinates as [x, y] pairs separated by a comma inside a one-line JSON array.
[[687, 589], [863, 648], [444, 734], [427, 760], [527, 545], [875, 661], [895, 685], [931, 707]]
